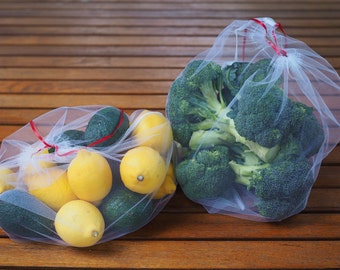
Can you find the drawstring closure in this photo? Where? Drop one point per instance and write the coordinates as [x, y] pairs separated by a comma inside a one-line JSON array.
[[56, 147], [271, 37]]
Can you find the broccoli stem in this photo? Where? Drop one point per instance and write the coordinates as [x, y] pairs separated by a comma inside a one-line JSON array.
[[218, 127], [222, 131], [244, 173], [209, 93], [209, 138]]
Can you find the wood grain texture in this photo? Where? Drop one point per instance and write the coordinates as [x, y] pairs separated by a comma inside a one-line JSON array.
[[180, 254], [57, 53]]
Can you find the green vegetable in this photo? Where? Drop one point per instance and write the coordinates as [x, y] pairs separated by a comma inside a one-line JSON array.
[[236, 74], [242, 107], [72, 137], [105, 127], [196, 103], [205, 174], [23, 217], [125, 211], [287, 179]]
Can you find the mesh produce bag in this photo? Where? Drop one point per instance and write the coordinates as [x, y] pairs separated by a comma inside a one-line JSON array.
[[253, 118], [81, 176]]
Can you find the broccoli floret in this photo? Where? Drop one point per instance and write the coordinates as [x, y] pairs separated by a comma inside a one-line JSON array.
[[207, 77], [185, 118], [205, 173], [192, 103], [277, 209], [194, 97], [254, 121], [195, 103], [265, 115], [236, 74], [309, 134], [280, 186]]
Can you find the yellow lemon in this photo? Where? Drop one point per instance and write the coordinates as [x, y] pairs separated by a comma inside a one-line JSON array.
[[79, 223], [168, 186], [7, 179], [51, 187], [90, 176], [153, 130], [142, 169], [38, 162]]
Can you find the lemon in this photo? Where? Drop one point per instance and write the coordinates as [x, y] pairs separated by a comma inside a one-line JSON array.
[[90, 176], [153, 130], [7, 179], [79, 223], [38, 162], [168, 186], [142, 169], [51, 187]]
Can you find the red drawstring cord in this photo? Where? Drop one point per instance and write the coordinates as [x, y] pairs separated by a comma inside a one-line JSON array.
[[48, 145], [274, 44]]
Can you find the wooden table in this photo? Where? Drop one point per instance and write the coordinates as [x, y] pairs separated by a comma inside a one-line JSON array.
[[126, 54]]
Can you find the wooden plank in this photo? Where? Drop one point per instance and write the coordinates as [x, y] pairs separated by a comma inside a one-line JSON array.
[[121, 62], [54, 101], [133, 50], [333, 157], [7, 130], [54, 36], [173, 1], [123, 6], [321, 200], [202, 226], [178, 14], [121, 74], [85, 87], [178, 254], [105, 31], [324, 200], [184, 22], [98, 62], [131, 74], [328, 176]]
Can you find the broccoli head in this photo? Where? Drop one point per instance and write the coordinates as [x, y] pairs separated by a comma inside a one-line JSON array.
[[205, 173], [236, 74], [266, 116], [309, 134], [192, 102], [196, 102], [277, 209], [287, 179]]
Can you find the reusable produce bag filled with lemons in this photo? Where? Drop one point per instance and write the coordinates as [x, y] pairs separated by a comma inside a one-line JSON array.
[[80, 176]]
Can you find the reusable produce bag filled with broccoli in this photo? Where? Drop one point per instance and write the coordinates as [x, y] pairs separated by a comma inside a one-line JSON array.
[[80, 176], [253, 117]]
